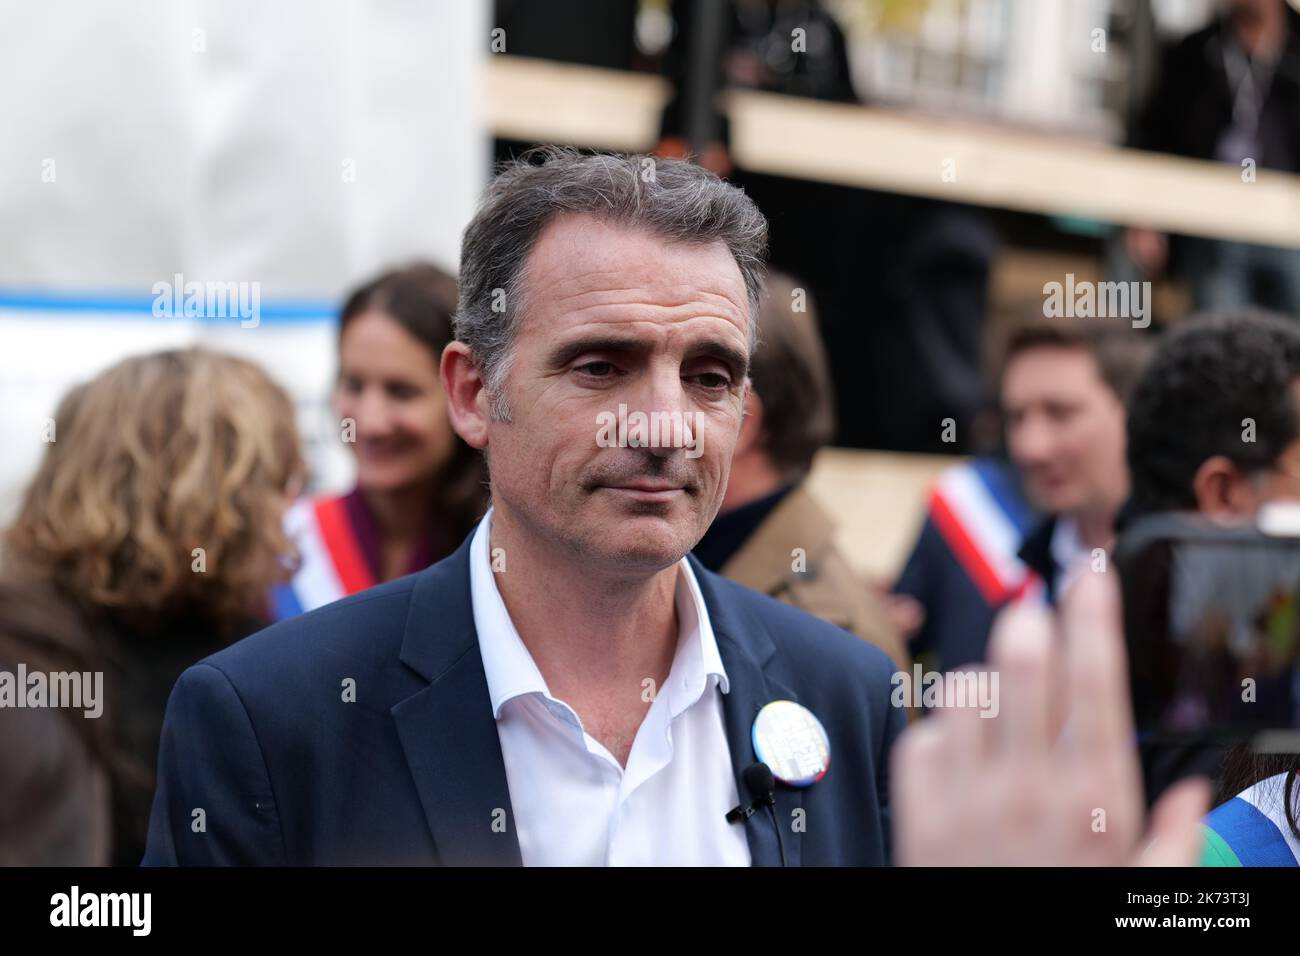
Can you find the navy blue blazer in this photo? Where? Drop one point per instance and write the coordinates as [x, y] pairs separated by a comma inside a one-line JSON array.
[[263, 762]]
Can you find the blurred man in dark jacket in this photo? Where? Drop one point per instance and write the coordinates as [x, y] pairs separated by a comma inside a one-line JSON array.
[[771, 534], [1228, 93], [997, 533]]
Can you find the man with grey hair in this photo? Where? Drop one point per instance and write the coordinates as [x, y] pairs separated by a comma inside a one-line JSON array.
[[569, 687]]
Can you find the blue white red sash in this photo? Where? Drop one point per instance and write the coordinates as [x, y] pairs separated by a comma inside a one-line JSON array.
[[333, 563], [982, 518]]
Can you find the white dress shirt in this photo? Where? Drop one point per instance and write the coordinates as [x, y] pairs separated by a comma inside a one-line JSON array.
[[573, 804]]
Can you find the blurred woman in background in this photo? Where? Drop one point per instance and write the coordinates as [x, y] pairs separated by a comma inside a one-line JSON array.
[[156, 515], [419, 488]]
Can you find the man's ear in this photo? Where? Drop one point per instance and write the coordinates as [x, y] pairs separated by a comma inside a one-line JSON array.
[[751, 424], [1221, 490], [467, 403]]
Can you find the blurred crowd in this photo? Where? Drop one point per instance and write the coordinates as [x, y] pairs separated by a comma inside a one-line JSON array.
[[1102, 424], [179, 462]]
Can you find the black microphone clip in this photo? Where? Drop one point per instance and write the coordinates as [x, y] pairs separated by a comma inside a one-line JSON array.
[[742, 812], [759, 781]]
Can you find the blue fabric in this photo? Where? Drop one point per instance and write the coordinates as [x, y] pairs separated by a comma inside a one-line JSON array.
[[1003, 484], [284, 602], [1251, 834], [259, 738], [958, 619]]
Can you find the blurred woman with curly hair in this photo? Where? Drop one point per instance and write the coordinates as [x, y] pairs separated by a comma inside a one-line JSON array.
[[157, 514]]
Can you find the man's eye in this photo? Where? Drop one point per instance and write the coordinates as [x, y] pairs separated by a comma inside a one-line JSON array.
[[597, 369], [713, 380]]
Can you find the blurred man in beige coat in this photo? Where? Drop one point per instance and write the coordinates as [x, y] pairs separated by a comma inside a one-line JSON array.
[[771, 534]]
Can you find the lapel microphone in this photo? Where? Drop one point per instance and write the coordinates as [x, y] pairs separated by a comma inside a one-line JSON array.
[[760, 782]]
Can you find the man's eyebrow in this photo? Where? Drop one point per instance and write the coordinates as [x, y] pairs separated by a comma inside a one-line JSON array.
[[565, 353], [729, 355]]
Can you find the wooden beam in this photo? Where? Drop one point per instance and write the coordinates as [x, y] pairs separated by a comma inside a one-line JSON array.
[[872, 148], [879, 501], [1010, 169], [540, 101]]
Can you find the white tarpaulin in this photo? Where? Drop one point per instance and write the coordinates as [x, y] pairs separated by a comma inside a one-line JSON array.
[[283, 147]]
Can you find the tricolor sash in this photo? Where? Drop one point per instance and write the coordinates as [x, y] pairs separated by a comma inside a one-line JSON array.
[[333, 563], [981, 516]]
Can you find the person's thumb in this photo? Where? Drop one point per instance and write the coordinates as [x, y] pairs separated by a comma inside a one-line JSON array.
[[1176, 837]]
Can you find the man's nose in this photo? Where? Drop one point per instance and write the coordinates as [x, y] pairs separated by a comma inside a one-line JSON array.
[[1030, 442], [663, 398]]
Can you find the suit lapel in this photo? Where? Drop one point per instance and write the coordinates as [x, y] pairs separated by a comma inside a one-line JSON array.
[[447, 729], [746, 648], [449, 735]]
